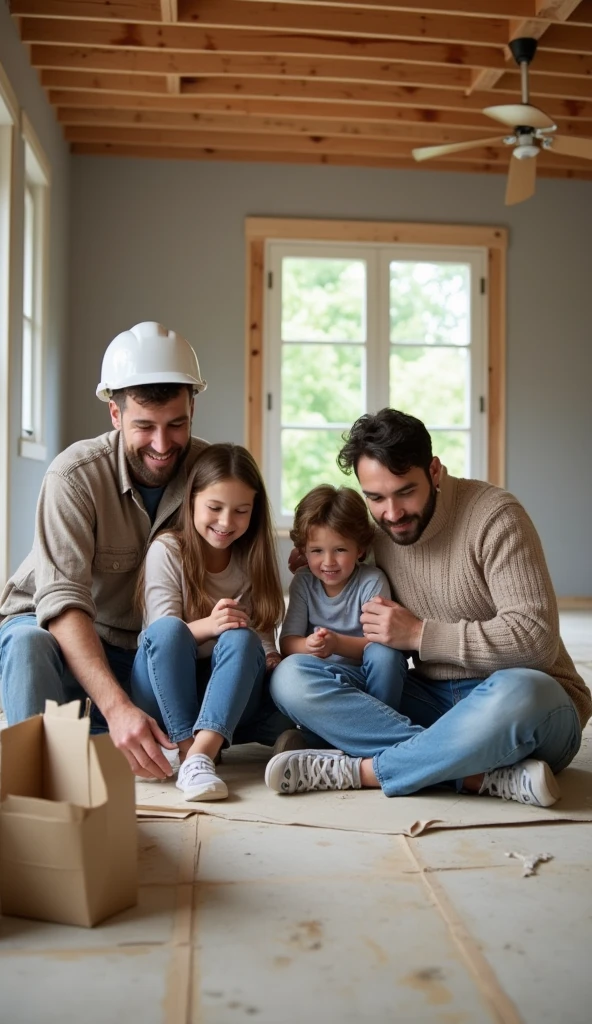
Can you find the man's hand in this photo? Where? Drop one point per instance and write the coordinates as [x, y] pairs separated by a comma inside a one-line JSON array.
[[322, 643], [388, 623], [227, 614], [139, 738]]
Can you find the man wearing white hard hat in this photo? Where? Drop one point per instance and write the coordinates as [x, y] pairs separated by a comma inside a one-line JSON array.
[[68, 621]]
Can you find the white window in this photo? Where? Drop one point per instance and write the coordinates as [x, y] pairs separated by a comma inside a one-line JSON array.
[[35, 221], [353, 328], [8, 119]]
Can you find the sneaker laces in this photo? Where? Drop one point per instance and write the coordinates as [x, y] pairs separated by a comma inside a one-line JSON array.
[[510, 783], [325, 771]]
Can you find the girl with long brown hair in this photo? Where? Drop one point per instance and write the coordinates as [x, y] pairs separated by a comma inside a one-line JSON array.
[[211, 599]]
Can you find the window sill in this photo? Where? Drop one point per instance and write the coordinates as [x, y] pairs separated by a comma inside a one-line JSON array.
[[32, 450]]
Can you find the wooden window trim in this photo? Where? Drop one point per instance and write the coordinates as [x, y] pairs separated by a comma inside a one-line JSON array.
[[259, 230]]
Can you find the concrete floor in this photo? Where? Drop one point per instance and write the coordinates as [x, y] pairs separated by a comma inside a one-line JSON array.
[[240, 921]]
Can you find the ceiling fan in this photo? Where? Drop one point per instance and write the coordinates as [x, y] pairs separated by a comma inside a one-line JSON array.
[[532, 132]]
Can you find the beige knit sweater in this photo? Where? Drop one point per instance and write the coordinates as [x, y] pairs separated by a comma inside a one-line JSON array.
[[477, 576]]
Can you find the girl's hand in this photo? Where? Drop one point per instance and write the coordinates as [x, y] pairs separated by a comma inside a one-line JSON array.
[[322, 643], [272, 661], [227, 614]]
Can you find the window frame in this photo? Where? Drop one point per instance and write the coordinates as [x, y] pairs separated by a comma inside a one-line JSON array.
[[37, 181], [260, 230], [9, 121]]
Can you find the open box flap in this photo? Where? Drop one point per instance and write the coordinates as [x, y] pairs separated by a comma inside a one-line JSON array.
[[66, 773], [21, 761]]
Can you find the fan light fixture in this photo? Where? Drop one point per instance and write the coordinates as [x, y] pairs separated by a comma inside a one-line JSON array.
[[532, 130], [525, 149]]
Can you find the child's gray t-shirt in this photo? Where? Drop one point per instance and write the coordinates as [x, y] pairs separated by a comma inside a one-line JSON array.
[[310, 607]]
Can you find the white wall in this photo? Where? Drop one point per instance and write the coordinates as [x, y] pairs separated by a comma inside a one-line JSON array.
[[164, 240], [25, 474]]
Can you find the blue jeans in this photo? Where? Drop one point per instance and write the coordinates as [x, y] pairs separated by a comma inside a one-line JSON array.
[[226, 694], [32, 670], [382, 673], [444, 731]]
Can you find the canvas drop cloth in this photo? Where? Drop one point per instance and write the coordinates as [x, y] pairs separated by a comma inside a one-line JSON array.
[[367, 810]]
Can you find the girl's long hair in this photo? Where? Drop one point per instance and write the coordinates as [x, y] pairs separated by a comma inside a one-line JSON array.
[[257, 545]]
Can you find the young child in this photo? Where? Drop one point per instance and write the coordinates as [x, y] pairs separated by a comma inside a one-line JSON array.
[[211, 598], [322, 631]]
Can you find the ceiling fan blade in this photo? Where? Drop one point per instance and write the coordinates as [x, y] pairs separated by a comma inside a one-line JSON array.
[[514, 114], [521, 180], [568, 145], [427, 152]]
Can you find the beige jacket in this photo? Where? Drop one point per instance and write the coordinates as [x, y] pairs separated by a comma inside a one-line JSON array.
[[91, 535]]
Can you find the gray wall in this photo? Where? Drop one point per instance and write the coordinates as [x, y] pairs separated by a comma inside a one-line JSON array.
[[26, 474], [164, 240]]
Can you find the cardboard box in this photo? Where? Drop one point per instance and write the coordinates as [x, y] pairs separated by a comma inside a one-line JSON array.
[[68, 833]]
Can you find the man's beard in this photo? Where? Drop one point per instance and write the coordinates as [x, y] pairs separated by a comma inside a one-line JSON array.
[[417, 522], [154, 478]]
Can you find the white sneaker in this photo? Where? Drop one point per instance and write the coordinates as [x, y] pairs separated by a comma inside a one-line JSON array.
[[198, 780], [291, 772], [528, 782]]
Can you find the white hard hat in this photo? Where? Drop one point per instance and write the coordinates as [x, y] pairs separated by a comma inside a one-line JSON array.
[[148, 354]]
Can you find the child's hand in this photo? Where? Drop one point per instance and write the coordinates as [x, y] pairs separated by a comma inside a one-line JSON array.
[[227, 614], [322, 643]]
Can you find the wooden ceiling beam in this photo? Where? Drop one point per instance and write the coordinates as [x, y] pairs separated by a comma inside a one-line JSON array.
[[271, 107], [557, 9], [209, 155], [576, 103], [542, 85], [242, 140], [91, 104], [169, 14], [337, 20], [561, 97], [274, 123], [332, 20], [582, 14], [245, 66], [171, 138], [150, 10], [94, 10], [281, 69], [488, 78], [311, 89], [568, 38], [178, 40]]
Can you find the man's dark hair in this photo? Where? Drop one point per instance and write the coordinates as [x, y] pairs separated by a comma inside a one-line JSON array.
[[149, 394], [395, 439]]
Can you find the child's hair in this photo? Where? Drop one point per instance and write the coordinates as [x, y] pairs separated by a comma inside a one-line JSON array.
[[231, 462], [341, 509]]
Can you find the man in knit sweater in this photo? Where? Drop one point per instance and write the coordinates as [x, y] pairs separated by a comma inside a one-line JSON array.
[[493, 703]]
